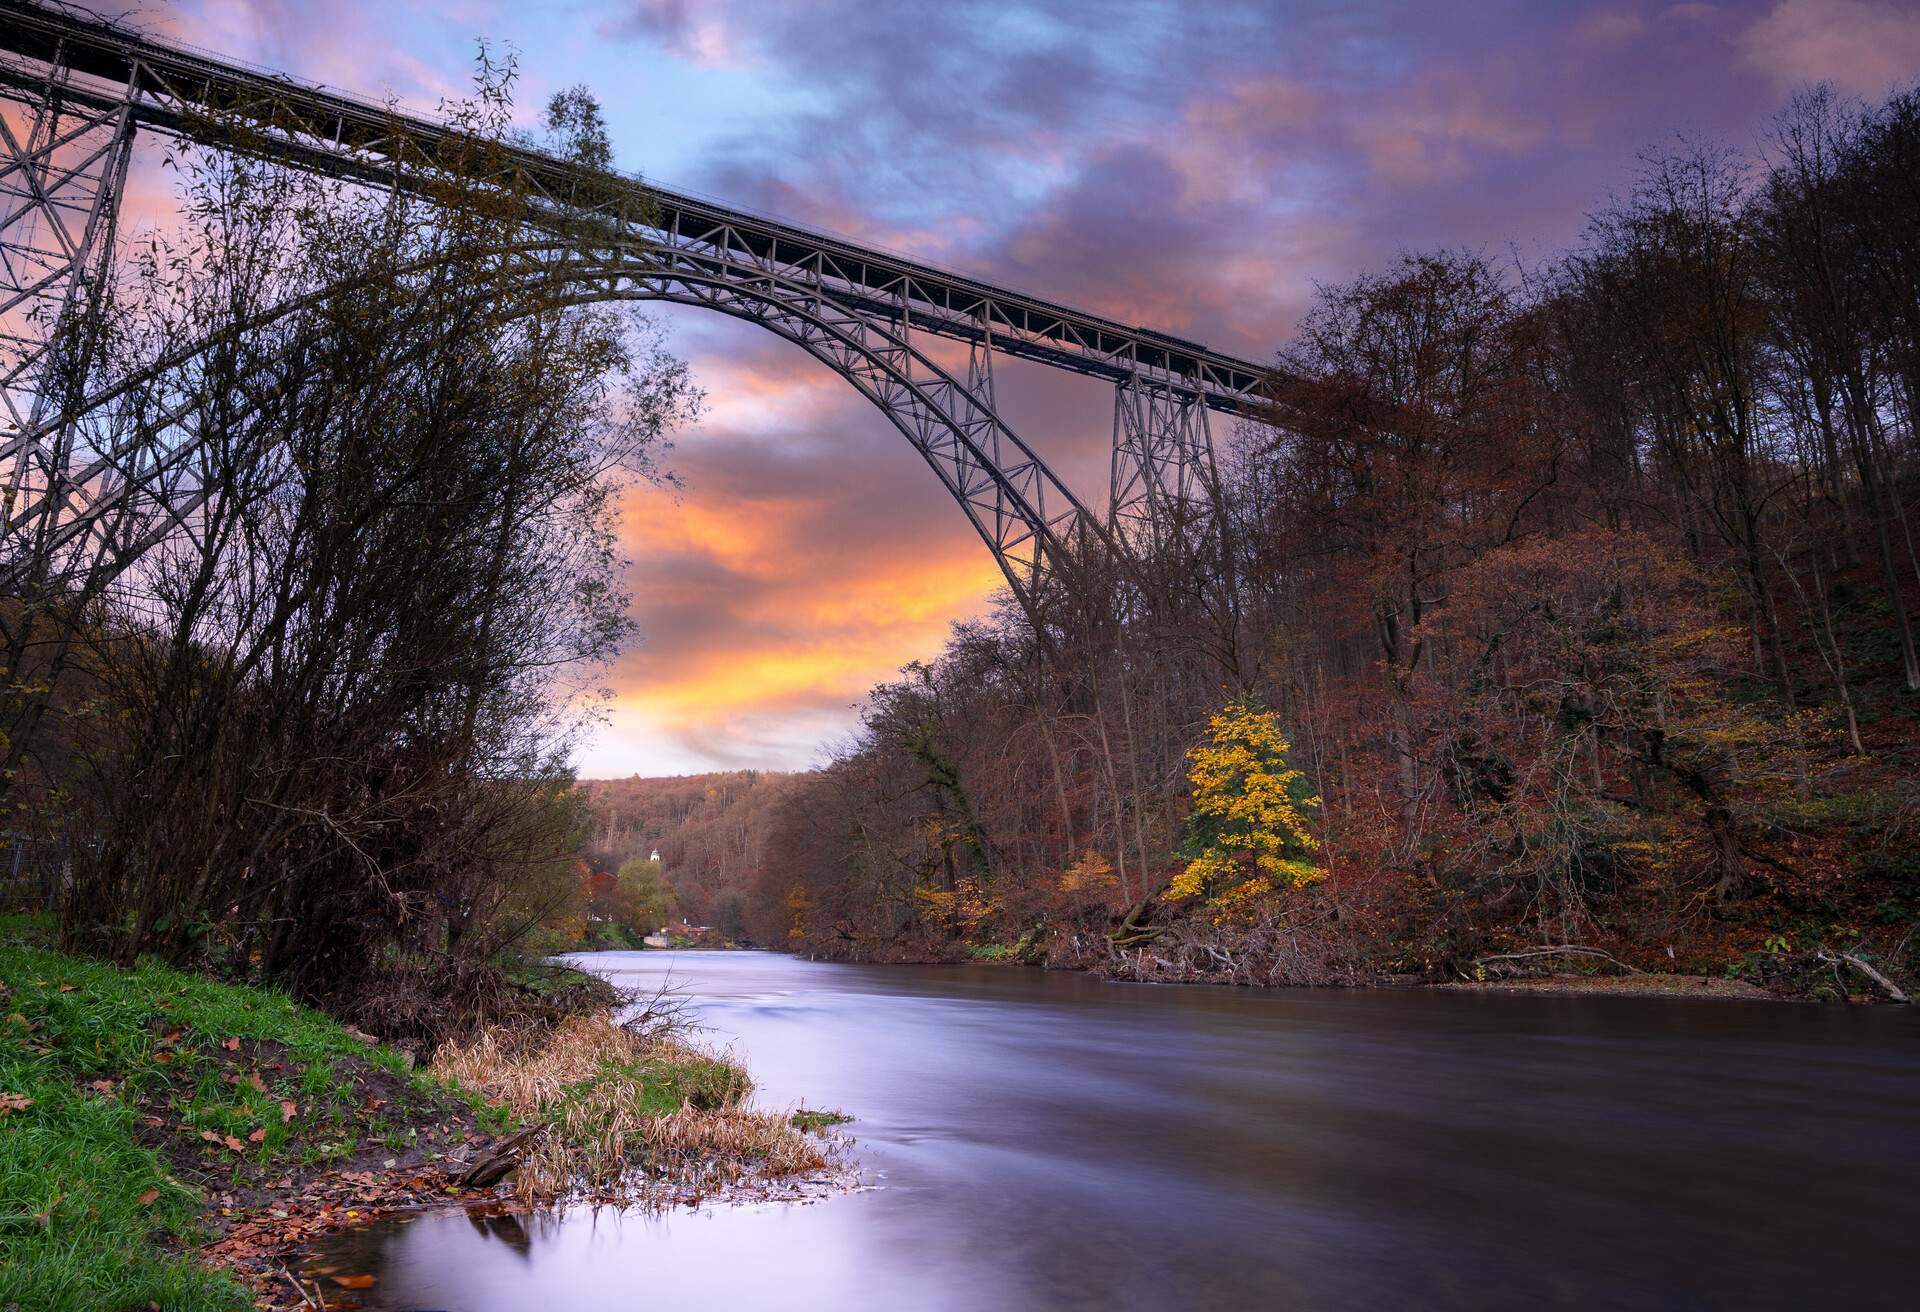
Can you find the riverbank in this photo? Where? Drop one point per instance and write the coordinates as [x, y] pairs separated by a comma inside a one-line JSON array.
[[1186, 956], [173, 1141], [1299, 941], [1631, 986], [1795, 984]]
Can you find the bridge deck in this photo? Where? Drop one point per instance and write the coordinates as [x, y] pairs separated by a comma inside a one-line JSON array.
[[168, 82]]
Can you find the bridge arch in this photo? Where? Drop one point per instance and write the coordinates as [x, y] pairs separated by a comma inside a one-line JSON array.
[[1031, 522]]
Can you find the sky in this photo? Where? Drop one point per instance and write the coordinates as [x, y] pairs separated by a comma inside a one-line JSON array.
[[1199, 168]]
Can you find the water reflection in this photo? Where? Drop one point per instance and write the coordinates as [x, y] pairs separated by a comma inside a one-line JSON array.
[[1048, 1141]]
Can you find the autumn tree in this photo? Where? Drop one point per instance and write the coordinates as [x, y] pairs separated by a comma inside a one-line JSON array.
[[641, 899], [1249, 832], [1672, 277], [1402, 444]]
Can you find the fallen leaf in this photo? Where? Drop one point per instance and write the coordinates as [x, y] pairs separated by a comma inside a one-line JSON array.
[[259, 1084], [14, 1102], [101, 1086], [147, 1198], [234, 1144], [258, 1135], [231, 1045], [68, 988], [289, 1109], [163, 1057], [211, 1136]]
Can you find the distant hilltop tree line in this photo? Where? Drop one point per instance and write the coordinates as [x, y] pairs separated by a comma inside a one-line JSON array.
[[1552, 615], [712, 833]]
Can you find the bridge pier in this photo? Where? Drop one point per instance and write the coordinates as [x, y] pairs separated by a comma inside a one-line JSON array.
[[60, 187], [1162, 474]]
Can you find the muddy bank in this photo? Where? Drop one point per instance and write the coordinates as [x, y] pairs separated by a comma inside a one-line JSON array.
[[1637, 986]]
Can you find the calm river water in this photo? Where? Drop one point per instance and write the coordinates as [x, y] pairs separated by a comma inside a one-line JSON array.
[[1049, 1141]]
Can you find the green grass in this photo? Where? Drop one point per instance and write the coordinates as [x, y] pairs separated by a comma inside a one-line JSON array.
[[666, 1083], [813, 1122], [97, 1050]]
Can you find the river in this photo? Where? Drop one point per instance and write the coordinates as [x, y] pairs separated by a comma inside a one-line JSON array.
[[1048, 1140]]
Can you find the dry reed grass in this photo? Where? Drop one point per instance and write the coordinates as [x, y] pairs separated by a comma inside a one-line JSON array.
[[631, 1117]]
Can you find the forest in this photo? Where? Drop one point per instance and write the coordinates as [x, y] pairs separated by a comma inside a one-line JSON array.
[[1546, 617]]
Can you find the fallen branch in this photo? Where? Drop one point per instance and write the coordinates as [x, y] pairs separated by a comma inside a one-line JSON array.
[[1891, 989], [1563, 950], [317, 1300], [1130, 932], [493, 1168]]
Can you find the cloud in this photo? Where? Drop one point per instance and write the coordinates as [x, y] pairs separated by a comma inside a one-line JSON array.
[[1441, 128], [1114, 239], [354, 45], [1861, 46], [699, 33], [1196, 168], [1609, 29], [759, 603], [1236, 145]]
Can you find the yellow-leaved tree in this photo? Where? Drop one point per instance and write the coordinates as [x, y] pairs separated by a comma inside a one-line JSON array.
[[1248, 833]]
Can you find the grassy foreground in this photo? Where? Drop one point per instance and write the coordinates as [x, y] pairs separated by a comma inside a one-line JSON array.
[[628, 1117], [147, 1113], [98, 1201]]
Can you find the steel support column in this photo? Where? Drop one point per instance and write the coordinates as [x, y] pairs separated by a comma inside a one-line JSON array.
[[1162, 473], [63, 167]]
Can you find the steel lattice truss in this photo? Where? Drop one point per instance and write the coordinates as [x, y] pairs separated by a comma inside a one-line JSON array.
[[1163, 487], [85, 492]]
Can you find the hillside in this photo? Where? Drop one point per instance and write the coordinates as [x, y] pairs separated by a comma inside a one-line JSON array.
[[713, 833]]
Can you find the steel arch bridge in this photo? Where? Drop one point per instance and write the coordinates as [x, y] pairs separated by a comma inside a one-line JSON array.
[[82, 89]]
